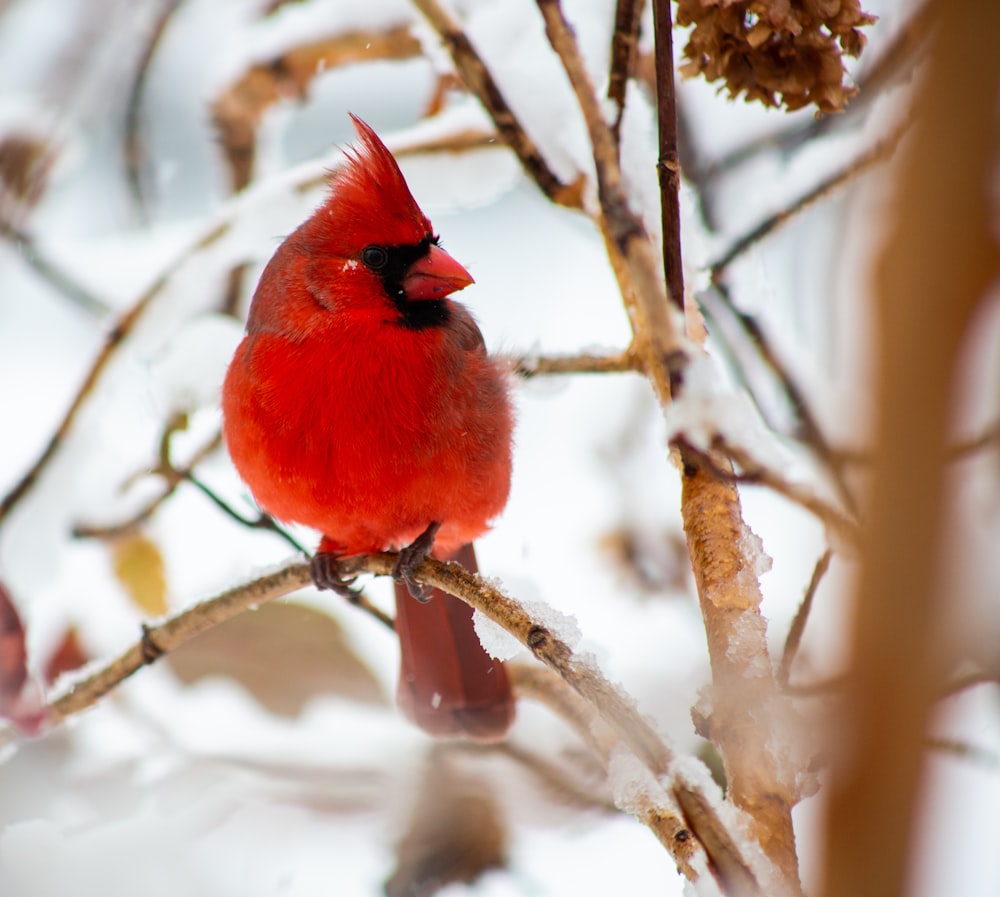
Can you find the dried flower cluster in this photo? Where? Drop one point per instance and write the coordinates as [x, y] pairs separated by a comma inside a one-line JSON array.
[[777, 52]]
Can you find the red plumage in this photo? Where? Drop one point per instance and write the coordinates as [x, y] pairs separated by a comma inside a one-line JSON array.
[[362, 403]]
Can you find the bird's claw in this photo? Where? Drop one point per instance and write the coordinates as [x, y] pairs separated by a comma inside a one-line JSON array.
[[412, 556], [324, 567]]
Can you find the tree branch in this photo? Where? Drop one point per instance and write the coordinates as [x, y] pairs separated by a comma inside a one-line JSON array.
[[624, 49], [527, 366], [481, 82], [659, 339], [798, 627], [874, 155]]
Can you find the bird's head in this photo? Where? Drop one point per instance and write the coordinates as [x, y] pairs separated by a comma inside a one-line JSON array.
[[371, 244]]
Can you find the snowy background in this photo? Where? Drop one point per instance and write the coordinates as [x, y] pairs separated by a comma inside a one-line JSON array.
[[205, 787]]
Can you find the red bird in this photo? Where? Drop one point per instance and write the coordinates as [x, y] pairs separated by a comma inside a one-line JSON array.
[[362, 403]]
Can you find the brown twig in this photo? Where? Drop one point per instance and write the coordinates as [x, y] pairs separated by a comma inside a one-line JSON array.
[[624, 49], [161, 638], [964, 750], [49, 271], [949, 690], [238, 110], [527, 366], [134, 149], [989, 438], [480, 81], [816, 689], [808, 426], [839, 525], [874, 155], [456, 142], [798, 627], [668, 163], [119, 332], [970, 680], [172, 476]]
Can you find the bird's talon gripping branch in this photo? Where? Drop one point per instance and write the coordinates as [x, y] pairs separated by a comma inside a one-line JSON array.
[[411, 556], [326, 574]]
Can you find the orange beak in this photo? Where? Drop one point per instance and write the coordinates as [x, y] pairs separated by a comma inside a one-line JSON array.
[[435, 276]]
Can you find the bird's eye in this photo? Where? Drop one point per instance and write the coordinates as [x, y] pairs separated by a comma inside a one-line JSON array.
[[375, 257]]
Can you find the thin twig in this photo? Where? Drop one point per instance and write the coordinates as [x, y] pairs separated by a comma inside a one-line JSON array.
[[161, 638], [668, 164], [624, 49], [544, 686], [969, 680], [798, 627], [482, 84], [173, 476], [874, 155], [556, 777], [964, 750], [988, 439], [266, 522], [121, 329], [948, 690], [810, 431], [55, 276], [261, 521], [818, 689], [528, 366], [134, 149]]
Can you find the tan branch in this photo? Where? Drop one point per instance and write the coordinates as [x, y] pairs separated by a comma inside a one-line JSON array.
[[161, 638], [535, 366]]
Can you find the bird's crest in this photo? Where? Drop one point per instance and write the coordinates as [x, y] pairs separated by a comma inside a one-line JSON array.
[[369, 200]]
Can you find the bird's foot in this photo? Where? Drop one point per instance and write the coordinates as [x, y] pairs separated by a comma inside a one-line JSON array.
[[410, 557], [326, 574]]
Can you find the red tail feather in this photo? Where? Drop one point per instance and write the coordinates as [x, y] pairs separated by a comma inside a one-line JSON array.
[[448, 685]]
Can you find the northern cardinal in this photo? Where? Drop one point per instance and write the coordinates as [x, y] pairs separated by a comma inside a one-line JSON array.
[[362, 403]]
